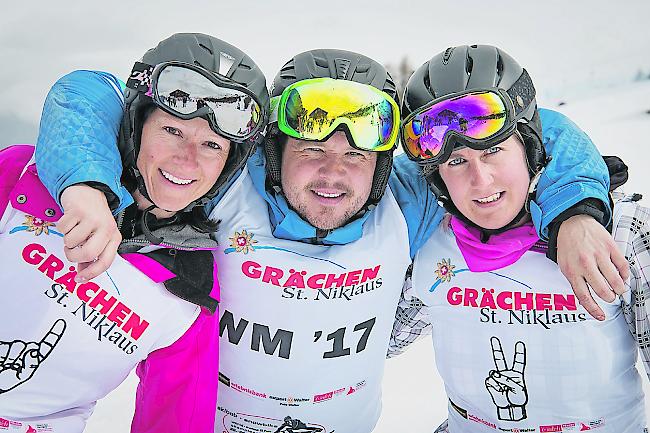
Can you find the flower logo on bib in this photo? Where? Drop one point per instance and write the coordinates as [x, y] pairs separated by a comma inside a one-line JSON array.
[[445, 271], [243, 242], [37, 226]]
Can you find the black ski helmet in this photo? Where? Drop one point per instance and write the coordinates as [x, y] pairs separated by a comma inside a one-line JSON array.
[[340, 65], [215, 56], [468, 67]]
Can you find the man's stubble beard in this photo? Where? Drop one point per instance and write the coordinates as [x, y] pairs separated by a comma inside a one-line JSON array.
[[325, 220]]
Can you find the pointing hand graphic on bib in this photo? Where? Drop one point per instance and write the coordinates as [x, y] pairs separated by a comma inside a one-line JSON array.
[[507, 386]]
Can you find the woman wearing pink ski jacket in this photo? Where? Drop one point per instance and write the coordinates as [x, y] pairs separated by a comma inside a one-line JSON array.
[[189, 125]]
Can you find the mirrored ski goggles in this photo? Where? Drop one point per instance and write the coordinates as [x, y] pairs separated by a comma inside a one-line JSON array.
[[188, 91], [313, 109], [476, 119]]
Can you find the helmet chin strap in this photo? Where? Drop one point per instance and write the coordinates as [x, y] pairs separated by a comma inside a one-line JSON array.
[[142, 189], [156, 240], [144, 225]]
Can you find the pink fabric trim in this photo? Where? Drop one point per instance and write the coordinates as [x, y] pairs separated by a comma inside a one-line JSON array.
[[12, 161], [148, 266], [501, 250], [39, 199], [178, 384]]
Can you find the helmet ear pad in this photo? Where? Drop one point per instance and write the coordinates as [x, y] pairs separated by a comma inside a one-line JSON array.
[[273, 147], [533, 145], [381, 176]]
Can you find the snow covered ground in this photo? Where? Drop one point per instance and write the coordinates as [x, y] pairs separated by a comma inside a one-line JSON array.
[[618, 121]]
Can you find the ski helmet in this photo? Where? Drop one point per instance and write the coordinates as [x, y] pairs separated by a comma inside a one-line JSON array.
[[469, 67], [341, 65], [214, 56]]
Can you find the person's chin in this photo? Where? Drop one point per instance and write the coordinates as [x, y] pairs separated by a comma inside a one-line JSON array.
[[170, 204], [325, 221], [494, 222]]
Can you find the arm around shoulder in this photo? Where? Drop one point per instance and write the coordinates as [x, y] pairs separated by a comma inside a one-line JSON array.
[[78, 134], [575, 172]]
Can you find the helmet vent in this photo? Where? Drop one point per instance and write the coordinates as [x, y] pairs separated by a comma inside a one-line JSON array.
[[342, 67], [390, 84], [288, 71], [206, 48], [288, 76], [225, 63], [499, 70], [469, 65], [427, 81], [389, 87], [321, 61], [447, 55], [363, 68]]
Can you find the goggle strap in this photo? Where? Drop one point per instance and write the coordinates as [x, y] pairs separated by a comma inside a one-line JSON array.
[[275, 102], [522, 93], [140, 78]]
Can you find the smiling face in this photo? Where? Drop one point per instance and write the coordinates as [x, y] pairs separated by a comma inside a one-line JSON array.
[[179, 160], [489, 187], [326, 182]]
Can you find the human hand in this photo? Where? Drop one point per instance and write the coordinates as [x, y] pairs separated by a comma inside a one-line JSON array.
[[90, 232], [507, 386], [19, 360], [588, 257]]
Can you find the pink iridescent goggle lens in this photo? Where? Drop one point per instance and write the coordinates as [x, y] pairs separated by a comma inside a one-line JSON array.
[[477, 115]]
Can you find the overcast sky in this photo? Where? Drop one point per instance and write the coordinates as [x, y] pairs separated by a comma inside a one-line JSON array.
[[568, 46]]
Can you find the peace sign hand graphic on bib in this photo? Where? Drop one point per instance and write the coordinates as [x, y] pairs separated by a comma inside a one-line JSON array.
[[507, 386]]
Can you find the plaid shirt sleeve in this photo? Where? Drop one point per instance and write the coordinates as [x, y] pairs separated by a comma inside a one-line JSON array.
[[632, 234], [411, 320]]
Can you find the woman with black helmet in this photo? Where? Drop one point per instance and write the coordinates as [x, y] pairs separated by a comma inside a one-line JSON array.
[[515, 349], [64, 344]]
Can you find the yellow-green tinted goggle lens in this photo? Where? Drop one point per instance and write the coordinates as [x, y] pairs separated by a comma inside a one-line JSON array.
[[313, 109]]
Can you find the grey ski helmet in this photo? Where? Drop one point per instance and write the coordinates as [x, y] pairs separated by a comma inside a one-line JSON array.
[[215, 56], [468, 67], [341, 65]]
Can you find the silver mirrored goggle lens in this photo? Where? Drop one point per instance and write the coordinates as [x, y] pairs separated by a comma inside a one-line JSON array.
[[187, 91]]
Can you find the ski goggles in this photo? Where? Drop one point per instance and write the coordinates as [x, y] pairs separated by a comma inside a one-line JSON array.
[[477, 118], [313, 109], [187, 91]]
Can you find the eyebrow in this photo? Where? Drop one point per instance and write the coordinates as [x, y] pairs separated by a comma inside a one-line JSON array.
[[300, 144]]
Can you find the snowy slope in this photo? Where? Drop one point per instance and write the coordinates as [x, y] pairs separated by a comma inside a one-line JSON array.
[[414, 399]]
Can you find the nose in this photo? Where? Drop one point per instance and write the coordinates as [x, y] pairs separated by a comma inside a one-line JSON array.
[[187, 154], [332, 165], [480, 174]]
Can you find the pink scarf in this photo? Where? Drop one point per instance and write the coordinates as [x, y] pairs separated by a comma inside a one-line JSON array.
[[501, 250]]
